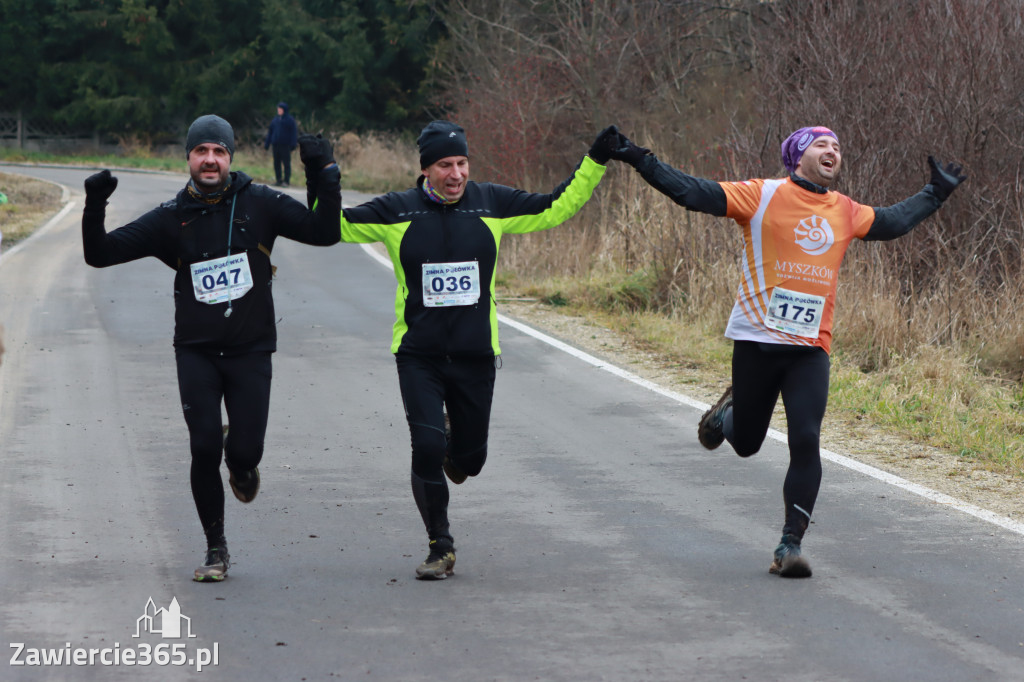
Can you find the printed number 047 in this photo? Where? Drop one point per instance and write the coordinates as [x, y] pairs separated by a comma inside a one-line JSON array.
[[222, 280]]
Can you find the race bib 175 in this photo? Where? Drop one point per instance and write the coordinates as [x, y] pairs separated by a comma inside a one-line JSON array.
[[795, 313]]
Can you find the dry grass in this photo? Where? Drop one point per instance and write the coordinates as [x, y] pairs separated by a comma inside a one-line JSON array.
[[374, 162], [29, 203]]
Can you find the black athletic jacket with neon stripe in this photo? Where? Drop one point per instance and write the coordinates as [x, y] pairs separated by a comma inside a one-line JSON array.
[[184, 231], [416, 230]]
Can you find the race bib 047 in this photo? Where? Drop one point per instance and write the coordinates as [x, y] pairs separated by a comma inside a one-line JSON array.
[[220, 280]]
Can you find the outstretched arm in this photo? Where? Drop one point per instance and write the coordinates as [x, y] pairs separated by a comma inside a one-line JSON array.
[[897, 220], [696, 194]]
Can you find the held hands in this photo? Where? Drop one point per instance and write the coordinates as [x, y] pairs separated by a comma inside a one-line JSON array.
[[628, 152], [606, 142], [315, 152], [945, 179], [99, 187]]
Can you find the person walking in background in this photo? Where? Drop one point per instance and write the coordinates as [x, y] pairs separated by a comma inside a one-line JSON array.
[[443, 237], [218, 234], [281, 139], [795, 233]]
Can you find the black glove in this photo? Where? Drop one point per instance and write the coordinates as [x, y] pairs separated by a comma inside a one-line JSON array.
[[945, 180], [628, 152], [602, 148], [315, 152], [98, 188]]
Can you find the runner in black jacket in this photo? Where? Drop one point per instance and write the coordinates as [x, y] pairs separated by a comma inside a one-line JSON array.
[[217, 234], [443, 238]]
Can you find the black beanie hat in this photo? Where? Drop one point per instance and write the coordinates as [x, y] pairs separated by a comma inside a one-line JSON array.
[[210, 128], [439, 140]]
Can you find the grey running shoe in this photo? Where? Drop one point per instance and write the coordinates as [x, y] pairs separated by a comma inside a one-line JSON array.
[[245, 485], [215, 567], [440, 563], [454, 473], [709, 431], [787, 562]]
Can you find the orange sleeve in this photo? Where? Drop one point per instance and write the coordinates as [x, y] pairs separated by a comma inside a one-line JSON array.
[[742, 199], [862, 217]]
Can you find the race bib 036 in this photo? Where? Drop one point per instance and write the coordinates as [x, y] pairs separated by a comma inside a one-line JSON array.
[[450, 284]]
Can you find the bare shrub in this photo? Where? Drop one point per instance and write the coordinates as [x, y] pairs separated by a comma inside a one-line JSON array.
[[540, 79]]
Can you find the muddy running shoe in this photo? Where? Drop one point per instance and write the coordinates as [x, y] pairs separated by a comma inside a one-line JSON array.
[[454, 473], [215, 567], [787, 562], [709, 431], [440, 563], [245, 485]]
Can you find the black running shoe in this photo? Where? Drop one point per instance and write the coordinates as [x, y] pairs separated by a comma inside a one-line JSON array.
[[454, 473], [709, 431], [788, 562], [440, 563], [215, 567], [245, 485]]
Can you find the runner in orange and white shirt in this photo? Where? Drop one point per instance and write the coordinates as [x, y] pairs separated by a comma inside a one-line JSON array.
[[795, 234]]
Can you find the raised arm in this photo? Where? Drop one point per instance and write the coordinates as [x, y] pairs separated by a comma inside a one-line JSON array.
[[319, 224], [138, 239], [897, 220]]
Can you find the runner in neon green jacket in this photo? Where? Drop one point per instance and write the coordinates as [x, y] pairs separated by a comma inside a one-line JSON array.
[[443, 237]]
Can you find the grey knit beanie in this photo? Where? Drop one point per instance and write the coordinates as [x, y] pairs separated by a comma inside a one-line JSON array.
[[210, 128]]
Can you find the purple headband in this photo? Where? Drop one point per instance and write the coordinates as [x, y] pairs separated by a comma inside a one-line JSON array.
[[797, 143]]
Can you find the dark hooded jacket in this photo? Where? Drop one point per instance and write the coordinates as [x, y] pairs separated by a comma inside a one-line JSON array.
[[283, 131], [185, 230]]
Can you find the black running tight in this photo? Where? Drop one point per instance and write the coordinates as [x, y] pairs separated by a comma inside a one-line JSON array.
[[760, 373], [430, 384], [242, 382]]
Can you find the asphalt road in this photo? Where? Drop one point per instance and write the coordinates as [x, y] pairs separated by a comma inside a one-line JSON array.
[[601, 542]]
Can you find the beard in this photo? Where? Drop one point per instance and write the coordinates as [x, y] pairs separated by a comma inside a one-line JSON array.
[[207, 183]]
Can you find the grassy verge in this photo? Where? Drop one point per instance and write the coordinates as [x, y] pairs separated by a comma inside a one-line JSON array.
[[938, 398], [29, 203]]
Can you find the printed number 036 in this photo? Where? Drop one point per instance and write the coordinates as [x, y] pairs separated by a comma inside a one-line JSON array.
[[438, 284]]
